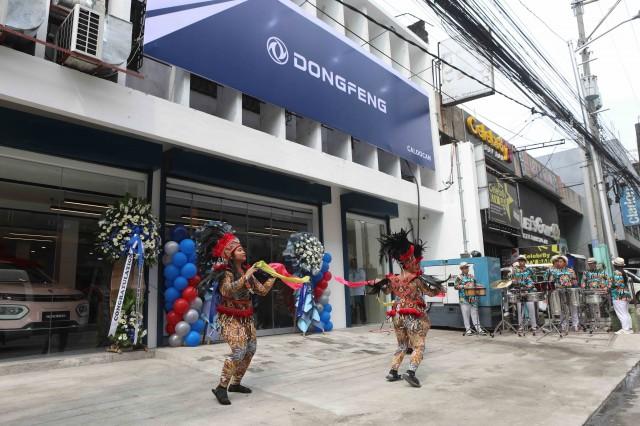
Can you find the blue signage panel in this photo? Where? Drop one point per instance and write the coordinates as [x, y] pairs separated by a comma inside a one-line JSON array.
[[271, 50], [630, 206]]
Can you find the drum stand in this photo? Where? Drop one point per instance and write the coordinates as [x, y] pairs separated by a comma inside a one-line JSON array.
[[551, 328], [504, 325]]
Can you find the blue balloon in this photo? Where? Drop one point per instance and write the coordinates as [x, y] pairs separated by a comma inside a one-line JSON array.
[[328, 326], [189, 270], [170, 272], [317, 278], [327, 308], [198, 326], [179, 259], [168, 305], [187, 246], [170, 295], [192, 339], [179, 233], [327, 257], [325, 267], [193, 257], [180, 283], [325, 316]]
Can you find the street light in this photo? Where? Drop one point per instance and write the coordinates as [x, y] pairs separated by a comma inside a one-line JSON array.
[[637, 16]]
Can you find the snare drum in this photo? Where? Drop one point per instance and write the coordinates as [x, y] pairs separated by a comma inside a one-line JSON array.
[[576, 298], [513, 297], [534, 296], [593, 298], [475, 291]]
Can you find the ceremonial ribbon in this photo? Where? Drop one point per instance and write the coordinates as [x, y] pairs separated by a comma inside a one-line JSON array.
[[351, 284], [278, 270]]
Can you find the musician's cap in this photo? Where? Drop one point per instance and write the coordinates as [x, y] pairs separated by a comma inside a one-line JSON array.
[[522, 257], [618, 261], [591, 260], [554, 258], [564, 258], [464, 265]]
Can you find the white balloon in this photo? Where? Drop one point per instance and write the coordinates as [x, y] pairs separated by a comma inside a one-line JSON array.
[[319, 307], [326, 292], [175, 340], [171, 247], [197, 304], [191, 316], [183, 328]]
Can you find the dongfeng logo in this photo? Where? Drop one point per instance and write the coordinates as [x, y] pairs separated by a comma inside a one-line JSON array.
[[277, 50]]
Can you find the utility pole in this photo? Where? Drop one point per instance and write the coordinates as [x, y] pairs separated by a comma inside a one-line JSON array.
[[592, 99]]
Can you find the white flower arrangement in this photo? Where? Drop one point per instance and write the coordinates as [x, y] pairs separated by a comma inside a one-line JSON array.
[[119, 223], [304, 253]]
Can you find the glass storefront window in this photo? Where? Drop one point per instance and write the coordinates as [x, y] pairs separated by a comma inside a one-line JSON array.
[[364, 264], [263, 226], [53, 286]]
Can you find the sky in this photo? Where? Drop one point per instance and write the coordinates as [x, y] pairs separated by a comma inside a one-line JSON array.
[[553, 26]]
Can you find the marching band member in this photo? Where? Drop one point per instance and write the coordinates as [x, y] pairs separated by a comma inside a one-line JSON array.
[[594, 278], [468, 304], [620, 296], [564, 277], [523, 282]]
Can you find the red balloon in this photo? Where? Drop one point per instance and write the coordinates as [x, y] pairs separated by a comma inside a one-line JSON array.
[[171, 328], [322, 284], [327, 276], [195, 280], [318, 292], [181, 306], [189, 294], [173, 318]]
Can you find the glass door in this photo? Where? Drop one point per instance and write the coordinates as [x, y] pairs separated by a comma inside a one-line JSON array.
[[364, 264]]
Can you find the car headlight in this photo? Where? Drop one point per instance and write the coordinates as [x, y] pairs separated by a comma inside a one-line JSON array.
[[13, 312], [82, 309]]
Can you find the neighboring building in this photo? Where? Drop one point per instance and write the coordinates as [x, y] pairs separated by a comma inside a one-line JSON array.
[[325, 158]]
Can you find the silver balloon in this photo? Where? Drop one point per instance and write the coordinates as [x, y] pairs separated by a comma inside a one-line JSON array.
[[183, 328], [191, 316], [319, 307], [166, 259], [326, 292], [196, 304], [324, 299], [175, 341], [171, 247]]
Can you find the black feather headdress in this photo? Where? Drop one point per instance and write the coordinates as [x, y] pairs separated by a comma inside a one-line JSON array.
[[397, 246]]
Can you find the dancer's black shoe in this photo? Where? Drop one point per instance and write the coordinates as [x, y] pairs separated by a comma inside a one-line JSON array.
[[239, 388], [393, 376], [221, 395], [410, 377]]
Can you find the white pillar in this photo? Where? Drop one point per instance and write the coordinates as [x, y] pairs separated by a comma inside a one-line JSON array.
[[309, 6], [400, 55], [419, 64], [230, 104], [380, 43], [332, 231], [365, 154], [357, 25], [336, 143], [179, 86], [389, 164], [42, 33], [272, 120], [332, 13], [309, 133], [152, 303]]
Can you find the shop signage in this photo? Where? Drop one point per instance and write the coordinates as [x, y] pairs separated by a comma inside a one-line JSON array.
[[503, 204], [539, 255], [539, 173], [501, 150], [472, 77], [539, 218], [630, 206], [271, 50]]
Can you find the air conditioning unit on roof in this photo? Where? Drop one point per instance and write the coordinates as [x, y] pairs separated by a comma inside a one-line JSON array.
[[81, 36]]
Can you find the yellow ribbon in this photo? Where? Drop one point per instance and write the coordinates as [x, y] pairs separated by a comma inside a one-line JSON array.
[[264, 266]]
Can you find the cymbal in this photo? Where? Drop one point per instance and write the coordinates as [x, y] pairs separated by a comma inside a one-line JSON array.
[[501, 284]]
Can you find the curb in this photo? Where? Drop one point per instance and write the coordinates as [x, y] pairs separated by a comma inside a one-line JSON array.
[[601, 415]]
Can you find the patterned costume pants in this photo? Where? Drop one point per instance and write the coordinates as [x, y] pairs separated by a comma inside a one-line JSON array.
[[410, 333], [241, 337]]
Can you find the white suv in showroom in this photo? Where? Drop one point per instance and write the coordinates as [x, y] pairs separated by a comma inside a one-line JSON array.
[[32, 303]]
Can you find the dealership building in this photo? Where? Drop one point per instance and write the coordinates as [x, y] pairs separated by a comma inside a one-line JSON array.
[[275, 117]]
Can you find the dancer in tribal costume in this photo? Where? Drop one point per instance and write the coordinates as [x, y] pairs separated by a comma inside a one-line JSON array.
[[236, 283], [410, 320]]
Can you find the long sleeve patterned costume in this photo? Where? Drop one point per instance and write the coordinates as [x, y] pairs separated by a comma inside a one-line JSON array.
[[618, 286], [523, 279], [238, 328], [410, 319], [466, 281], [594, 280]]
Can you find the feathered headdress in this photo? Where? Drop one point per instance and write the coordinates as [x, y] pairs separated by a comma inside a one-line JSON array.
[[216, 243], [398, 247]]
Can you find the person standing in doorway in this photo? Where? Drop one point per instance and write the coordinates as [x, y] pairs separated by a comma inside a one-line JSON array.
[[620, 295], [468, 304], [356, 274]]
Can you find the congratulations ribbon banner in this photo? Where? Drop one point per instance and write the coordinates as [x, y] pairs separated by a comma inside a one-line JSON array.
[[278, 270]]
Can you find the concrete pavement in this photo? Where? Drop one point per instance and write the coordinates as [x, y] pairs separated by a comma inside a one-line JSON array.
[[337, 378]]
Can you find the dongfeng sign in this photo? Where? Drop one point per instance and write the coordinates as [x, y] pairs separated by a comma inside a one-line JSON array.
[[273, 51]]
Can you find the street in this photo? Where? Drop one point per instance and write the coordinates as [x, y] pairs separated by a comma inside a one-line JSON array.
[[338, 378]]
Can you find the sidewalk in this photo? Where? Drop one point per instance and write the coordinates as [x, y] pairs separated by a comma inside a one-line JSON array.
[[337, 378]]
